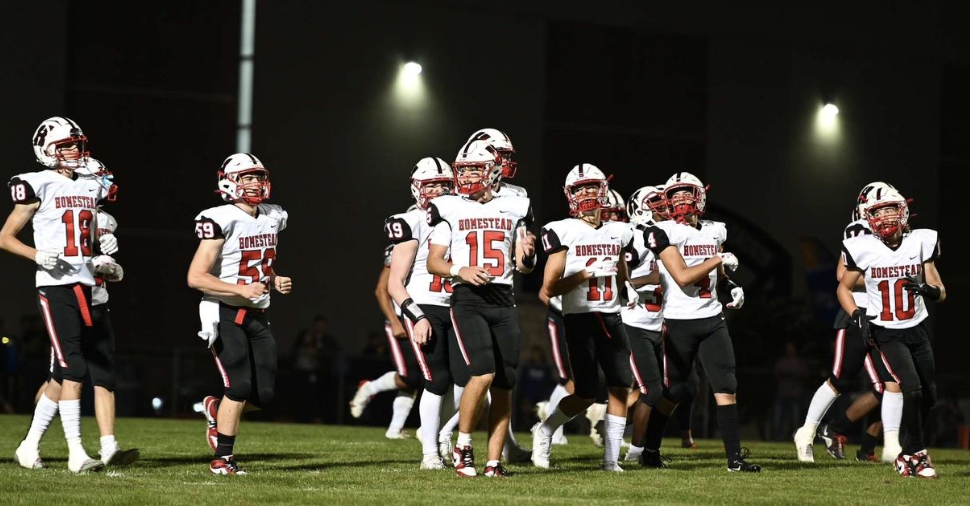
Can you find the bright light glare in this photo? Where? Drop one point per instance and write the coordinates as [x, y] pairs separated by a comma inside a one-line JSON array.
[[830, 110], [5, 340], [412, 68], [157, 403], [827, 122]]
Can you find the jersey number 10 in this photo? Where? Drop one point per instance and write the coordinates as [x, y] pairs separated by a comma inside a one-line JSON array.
[[901, 314]]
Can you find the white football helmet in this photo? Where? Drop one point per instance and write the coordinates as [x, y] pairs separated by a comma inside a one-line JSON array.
[[501, 143], [482, 156], [885, 226], [235, 167], [615, 208], [93, 168], [427, 171], [584, 174], [873, 189], [52, 136], [645, 202], [685, 181]]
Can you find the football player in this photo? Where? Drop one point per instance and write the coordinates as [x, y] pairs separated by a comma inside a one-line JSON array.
[[852, 355], [615, 208], [406, 377], [502, 144], [691, 255], [63, 211], [587, 267], [234, 267], [424, 298], [488, 238], [899, 269]]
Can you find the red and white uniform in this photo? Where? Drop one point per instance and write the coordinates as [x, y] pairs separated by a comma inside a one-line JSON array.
[[696, 244], [480, 234], [99, 293], [885, 271], [250, 248], [648, 314], [506, 189], [585, 245], [64, 222], [422, 286], [855, 229]]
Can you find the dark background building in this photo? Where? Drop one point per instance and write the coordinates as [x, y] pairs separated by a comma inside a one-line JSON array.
[[729, 92]]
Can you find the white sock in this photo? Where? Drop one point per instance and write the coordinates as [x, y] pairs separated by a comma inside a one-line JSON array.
[[382, 384], [108, 443], [614, 426], [510, 436], [44, 412], [71, 420], [449, 427], [402, 408], [456, 395], [430, 410], [557, 394], [821, 402], [634, 451], [892, 412], [464, 439], [595, 413], [554, 421]]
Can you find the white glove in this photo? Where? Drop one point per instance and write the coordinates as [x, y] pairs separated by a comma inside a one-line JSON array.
[[729, 261], [632, 297], [104, 264], [601, 268], [46, 259], [209, 316], [737, 296], [109, 244]]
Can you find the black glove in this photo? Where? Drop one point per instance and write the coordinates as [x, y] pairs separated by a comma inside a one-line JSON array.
[[927, 291], [861, 321]]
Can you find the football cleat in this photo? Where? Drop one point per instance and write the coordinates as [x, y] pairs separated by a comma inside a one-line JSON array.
[[465, 462], [85, 465], [633, 454], [496, 471], [862, 456], [226, 467], [360, 400], [118, 457], [512, 453], [890, 451], [612, 467], [400, 434], [432, 462], [834, 442], [904, 466], [653, 459], [444, 447], [541, 447], [688, 444], [737, 464], [210, 408], [923, 466], [28, 457], [804, 437]]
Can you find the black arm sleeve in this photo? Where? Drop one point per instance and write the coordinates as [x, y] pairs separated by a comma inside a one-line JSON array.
[[398, 230], [550, 241], [20, 191], [207, 228], [849, 261], [656, 240]]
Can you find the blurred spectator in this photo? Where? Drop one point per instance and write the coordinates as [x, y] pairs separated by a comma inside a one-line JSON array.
[[790, 374], [312, 359], [376, 345]]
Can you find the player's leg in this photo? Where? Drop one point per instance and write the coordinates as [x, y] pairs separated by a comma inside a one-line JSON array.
[[433, 360], [921, 351], [474, 339], [506, 349], [646, 356], [900, 361], [391, 380], [822, 400], [685, 412], [232, 355], [679, 352], [850, 355], [45, 409], [460, 375], [409, 380], [67, 314], [613, 354], [100, 353], [557, 346], [716, 353]]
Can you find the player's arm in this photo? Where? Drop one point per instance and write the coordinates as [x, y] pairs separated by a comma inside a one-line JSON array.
[[650, 279], [525, 250], [683, 275], [282, 284], [844, 292], [200, 277], [840, 271], [931, 277], [543, 296], [553, 282], [16, 221], [401, 260], [384, 302]]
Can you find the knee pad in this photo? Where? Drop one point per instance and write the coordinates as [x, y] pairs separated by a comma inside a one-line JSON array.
[[412, 381], [103, 378], [77, 369], [843, 384], [239, 391], [439, 384], [652, 397], [726, 385]]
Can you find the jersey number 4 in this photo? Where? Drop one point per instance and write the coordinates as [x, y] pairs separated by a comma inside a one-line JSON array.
[[898, 293], [258, 272], [84, 219]]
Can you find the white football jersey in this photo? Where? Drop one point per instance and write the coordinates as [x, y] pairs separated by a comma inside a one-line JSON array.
[[648, 314], [886, 270], [855, 229], [696, 244], [63, 222], [99, 292], [480, 234], [507, 189], [249, 252], [422, 286], [584, 245]]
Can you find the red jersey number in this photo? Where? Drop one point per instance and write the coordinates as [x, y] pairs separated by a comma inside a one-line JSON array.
[[258, 272], [594, 293], [493, 258], [84, 219], [898, 294]]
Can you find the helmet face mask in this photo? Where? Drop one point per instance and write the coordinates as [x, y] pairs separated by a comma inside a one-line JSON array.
[[477, 168], [686, 196], [586, 189], [431, 177], [888, 219], [500, 143]]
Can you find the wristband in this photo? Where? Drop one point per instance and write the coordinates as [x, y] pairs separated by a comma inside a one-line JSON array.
[[412, 311], [529, 262], [454, 270]]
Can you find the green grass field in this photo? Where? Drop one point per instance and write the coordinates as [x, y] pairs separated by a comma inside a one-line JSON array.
[[312, 464]]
